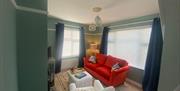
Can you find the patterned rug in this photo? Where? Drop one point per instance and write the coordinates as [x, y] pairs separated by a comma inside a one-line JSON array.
[[61, 82]]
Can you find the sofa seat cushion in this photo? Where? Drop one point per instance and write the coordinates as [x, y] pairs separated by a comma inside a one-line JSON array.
[[111, 61], [101, 58], [92, 66], [104, 71]]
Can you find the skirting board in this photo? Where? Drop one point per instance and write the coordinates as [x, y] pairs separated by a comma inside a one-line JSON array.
[[134, 83]]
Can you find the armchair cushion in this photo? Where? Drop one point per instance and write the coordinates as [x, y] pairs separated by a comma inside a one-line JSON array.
[[97, 87], [111, 88], [72, 87]]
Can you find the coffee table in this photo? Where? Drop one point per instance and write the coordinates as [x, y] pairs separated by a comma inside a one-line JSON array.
[[83, 82]]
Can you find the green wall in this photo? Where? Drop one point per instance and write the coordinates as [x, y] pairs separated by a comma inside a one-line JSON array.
[[51, 41], [23, 47], [53, 20], [136, 74], [31, 31], [35, 4], [170, 66], [8, 71]]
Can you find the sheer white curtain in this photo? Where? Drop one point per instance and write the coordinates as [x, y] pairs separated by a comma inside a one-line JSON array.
[[130, 44]]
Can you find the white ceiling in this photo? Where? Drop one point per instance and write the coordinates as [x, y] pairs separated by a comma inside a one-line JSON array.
[[80, 11]]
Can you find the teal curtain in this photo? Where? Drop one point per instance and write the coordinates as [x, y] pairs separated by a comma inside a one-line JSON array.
[[82, 48], [59, 46], [104, 41], [153, 61]]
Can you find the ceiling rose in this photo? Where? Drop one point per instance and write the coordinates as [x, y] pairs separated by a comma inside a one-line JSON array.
[[97, 9]]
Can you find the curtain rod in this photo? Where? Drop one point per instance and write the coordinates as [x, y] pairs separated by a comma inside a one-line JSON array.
[[93, 34], [129, 28], [65, 26], [71, 26], [132, 23]]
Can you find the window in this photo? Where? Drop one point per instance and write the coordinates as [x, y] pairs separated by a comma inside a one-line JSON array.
[[130, 44], [71, 42]]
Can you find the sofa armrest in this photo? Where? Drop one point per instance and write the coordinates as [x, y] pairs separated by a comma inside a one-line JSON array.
[[111, 88], [122, 69], [118, 72], [72, 87], [85, 59]]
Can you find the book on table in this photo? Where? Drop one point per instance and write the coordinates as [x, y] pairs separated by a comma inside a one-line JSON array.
[[80, 75]]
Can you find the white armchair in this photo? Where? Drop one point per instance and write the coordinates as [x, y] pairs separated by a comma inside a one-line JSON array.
[[97, 87]]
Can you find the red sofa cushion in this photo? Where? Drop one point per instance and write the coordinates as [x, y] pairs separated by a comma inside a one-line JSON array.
[[101, 58], [104, 71], [93, 66], [111, 61]]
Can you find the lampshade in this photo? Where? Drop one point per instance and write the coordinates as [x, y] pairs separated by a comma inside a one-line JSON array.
[[98, 21]]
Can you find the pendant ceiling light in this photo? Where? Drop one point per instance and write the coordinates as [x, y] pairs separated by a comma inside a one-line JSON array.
[[98, 20]]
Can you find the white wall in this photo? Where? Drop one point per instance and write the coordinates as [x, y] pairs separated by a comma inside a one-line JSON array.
[[170, 66], [69, 63]]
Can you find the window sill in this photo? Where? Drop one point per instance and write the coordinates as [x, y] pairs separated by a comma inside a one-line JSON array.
[[134, 67], [69, 57]]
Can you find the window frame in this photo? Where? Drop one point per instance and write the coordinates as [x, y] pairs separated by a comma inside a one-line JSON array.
[[71, 29], [129, 29]]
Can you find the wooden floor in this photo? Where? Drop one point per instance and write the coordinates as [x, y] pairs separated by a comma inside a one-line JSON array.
[[62, 84]]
